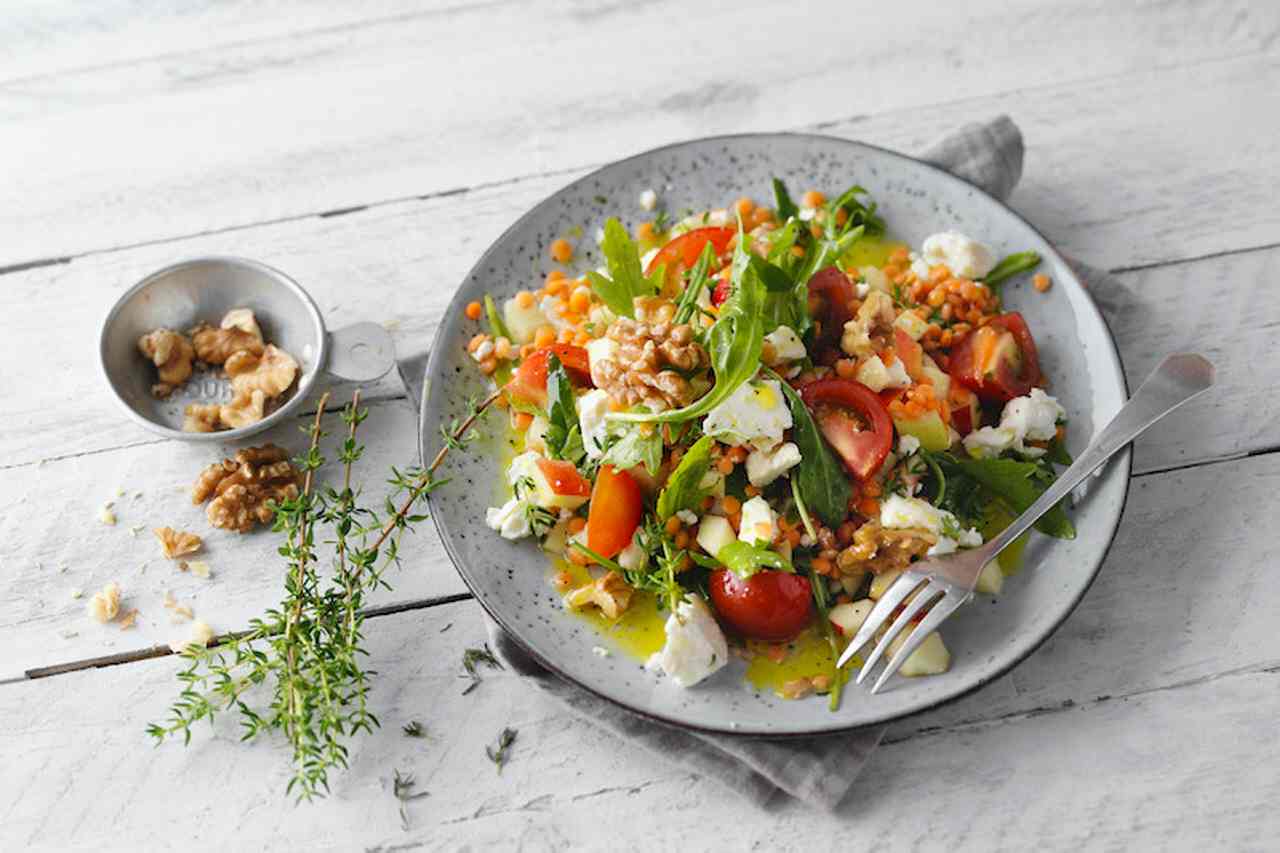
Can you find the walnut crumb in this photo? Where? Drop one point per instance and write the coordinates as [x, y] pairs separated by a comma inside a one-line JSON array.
[[200, 569], [106, 515], [243, 488], [105, 605], [177, 543], [610, 593], [127, 620]]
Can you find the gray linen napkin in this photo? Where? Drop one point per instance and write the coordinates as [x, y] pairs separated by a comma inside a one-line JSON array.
[[819, 770]]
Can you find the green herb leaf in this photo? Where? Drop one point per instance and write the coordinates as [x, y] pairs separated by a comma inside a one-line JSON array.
[[745, 559], [564, 436], [626, 279], [734, 341], [786, 208], [821, 480], [496, 326], [413, 728], [688, 303], [1019, 262], [1017, 483], [632, 446], [498, 754], [684, 486], [774, 278], [860, 214]]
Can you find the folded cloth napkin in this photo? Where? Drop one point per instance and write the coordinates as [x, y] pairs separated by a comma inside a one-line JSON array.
[[818, 770]]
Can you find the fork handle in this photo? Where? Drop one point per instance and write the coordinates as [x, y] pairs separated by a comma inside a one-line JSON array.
[[1175, 381]]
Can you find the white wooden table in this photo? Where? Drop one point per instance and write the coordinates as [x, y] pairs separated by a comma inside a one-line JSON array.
[[373, 150]]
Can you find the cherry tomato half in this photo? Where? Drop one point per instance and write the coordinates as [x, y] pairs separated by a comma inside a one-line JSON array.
[[616, 507], [771, 606], [834, 291], [529, 384], [854, 420], [563, 478], [682, 252], [911, 353], [997, 361]]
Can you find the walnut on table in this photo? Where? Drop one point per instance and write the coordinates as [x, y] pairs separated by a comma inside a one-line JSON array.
[[105, 605], [172, 355], [610, 593], [177, 543], [652, 358], [241, 488]]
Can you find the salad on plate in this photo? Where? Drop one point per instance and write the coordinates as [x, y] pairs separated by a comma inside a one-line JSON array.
[[733, 433]]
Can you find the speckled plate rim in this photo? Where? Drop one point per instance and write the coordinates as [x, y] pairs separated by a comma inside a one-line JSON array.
[[1121, 465]]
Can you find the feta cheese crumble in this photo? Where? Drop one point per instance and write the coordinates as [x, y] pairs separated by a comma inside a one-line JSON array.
[[786, 344], [759, 522], [695, 647], [756, 414], [648, 200], [765, 466], [1031, 418], [592, 408], [962, 255]]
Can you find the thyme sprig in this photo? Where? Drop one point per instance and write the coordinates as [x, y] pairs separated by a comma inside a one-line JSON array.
[[498, 754], [402, 787], [307, 652]]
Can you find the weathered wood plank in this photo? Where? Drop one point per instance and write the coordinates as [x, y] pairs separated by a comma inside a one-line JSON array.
[[1157, 765], [400, 107]]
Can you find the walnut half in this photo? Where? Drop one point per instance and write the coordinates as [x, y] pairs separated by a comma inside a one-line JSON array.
[[610, 593], [171, 353], [241, 488], [238, 332]]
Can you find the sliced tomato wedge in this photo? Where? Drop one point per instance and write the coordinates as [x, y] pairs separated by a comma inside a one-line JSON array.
[[854, 420], [617, 504], [911, 353], [833, 291], [563, 478], [528, 387], [997, 361], [682, 252], [966, 416], [770, 605]]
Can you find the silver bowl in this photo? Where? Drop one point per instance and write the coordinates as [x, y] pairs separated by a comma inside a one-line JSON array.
[[204, 289]]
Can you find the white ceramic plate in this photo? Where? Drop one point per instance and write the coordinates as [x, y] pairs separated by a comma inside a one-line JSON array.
[[986, 638]]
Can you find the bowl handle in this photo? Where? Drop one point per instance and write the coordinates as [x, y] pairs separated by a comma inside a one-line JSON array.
[[361, 352]]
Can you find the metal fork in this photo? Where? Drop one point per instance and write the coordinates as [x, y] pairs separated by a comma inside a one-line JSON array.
[[948, 582]]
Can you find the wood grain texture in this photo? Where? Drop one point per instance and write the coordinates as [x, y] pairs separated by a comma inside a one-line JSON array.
[[82, 774], [288, 124]]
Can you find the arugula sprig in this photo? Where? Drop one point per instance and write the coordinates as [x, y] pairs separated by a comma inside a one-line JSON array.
[[819, 479], [684, 487], [564, 435], [626, 279], [1011, 265], [688, 304], [968, 484]]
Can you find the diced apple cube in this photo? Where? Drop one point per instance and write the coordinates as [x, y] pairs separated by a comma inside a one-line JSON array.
[[522, 322], [880, 583], [930, 658], [714, 533], [848, 618], [991, 581]]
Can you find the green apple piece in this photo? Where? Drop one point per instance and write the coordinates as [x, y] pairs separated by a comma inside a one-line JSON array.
[[991, 581], [941, 381], [714, 533], [930, 658], [522, 322], [848, 617], [996, 517], [880, 583], [928, 429]]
